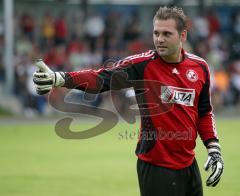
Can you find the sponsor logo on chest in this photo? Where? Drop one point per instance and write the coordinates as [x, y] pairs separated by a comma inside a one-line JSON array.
[[175, 95]]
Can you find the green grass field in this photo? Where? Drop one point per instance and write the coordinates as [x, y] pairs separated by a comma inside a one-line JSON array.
[[35, 161]]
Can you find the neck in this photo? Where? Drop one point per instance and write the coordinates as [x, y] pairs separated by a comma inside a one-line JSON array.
[[176, 58]]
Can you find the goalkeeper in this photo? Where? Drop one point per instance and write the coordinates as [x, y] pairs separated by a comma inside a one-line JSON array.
[[179, 84]]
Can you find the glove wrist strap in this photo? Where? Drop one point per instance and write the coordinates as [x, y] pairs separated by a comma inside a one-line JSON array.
[[59, 79], [214, 147]]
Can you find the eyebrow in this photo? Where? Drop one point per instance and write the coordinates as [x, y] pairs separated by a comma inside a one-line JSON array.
[[156, 31]]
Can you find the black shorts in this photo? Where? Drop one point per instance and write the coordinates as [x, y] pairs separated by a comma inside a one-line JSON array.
[[161, 181]]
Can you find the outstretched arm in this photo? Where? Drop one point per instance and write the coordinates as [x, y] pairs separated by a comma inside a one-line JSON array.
[[92, 81]]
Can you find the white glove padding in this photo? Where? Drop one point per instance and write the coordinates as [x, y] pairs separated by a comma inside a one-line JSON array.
[[43, 82], [215, 162], [45, 79]]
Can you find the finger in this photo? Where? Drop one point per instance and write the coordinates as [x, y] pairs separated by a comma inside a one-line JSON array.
[[42, 78], [43, 87], [218, 170], [208, 163], [43, 81], [42, 66], [42, 92], [41, 75], [215, 183], [215, 176]]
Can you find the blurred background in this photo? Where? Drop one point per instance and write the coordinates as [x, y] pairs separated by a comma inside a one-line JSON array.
[[81, 34]]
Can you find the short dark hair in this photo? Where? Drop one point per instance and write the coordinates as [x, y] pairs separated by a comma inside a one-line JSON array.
[[175, 13]]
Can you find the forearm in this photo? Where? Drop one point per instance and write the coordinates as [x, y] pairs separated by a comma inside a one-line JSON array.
[[88, 81], [91, 81], [207, 128]]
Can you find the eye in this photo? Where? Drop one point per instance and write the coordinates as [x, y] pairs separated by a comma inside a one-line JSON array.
[[156, 33], [167, 33]]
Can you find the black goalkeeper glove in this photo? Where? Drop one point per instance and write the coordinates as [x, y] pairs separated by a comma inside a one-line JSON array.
[[215, 162], [45, 79]]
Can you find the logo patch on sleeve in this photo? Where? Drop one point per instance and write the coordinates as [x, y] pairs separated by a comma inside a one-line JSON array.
[[182, 96]]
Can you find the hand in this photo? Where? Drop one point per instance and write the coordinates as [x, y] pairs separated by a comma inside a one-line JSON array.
[[215, 162], [45, 79]]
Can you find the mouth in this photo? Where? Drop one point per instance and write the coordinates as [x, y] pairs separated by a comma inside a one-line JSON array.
[[161, 47]]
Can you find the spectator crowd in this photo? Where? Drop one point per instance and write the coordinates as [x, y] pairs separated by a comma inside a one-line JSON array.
[[69, 42]]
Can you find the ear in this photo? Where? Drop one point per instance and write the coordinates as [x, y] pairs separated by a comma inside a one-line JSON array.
[[184, 35]]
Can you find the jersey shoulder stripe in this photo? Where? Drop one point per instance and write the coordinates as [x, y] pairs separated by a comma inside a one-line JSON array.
[[198, 60], [138, 58], [132, 60], [195, 57]]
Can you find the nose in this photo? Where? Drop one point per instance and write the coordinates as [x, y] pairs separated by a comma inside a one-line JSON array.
[[160, 39]]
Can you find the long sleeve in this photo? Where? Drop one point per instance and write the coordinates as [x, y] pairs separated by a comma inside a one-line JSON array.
[[121, 75], [96, 81], [206, 120], [87, 80]]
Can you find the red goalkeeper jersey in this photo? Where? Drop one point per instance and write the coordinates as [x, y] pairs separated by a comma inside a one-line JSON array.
[[173, 98]]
